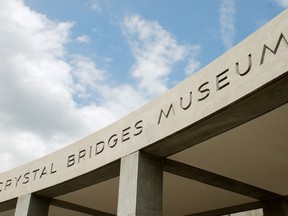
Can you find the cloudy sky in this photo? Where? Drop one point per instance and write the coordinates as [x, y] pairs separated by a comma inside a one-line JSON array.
[[70, 67]]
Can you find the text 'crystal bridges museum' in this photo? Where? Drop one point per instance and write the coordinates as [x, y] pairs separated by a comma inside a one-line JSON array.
[[216, 144]]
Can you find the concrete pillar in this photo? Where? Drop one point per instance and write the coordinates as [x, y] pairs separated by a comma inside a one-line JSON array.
[[140, 186], [32, 205], [275, 207]]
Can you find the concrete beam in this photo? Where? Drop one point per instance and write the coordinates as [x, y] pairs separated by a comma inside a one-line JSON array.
[[96, 176], [78, 208], [216, 180], [230, 210], [32, 205], [140, 186], [8, 205]]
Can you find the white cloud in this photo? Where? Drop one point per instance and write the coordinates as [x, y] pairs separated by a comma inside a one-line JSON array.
[[192, 67], [47, 102], [95, 6], [35, 85], [83, 39], [85, 72], [122, 99], [227, 23], [155, 51], [107, 59], [193, 64], [283, 3], [39, 88]]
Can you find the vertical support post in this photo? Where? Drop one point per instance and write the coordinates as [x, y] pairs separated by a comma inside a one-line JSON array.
[[275, 207], [140, 186], [32, 205]]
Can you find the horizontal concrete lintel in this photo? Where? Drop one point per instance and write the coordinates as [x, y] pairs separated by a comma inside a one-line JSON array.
[[78, 208], [230, 210], [109, 171], [8, 205], [218, 181]]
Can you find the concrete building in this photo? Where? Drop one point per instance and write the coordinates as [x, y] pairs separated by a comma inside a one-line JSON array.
[[216, 144]]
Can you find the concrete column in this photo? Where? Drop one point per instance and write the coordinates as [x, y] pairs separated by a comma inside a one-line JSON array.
[[275, 207], [32, 205], [140, 186]]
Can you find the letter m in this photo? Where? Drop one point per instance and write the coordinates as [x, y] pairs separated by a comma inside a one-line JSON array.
[[265, 47], [168, 113]]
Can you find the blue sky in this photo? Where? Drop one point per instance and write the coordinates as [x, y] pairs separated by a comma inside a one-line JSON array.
[[70, 67], [190, 22]]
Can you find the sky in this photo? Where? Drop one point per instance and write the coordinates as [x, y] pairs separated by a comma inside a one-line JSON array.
[[69, 68]]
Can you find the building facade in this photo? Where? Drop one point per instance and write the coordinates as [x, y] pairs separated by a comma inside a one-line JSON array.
[[216, 144]]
